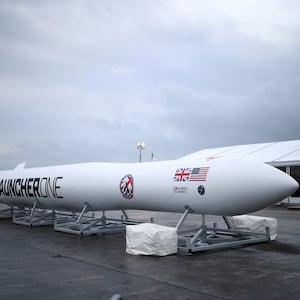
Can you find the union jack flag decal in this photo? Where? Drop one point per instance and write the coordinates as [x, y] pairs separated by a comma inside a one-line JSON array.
[[191, 174], [182, 174]]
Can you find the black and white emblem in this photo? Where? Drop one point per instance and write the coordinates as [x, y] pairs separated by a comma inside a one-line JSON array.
[[126, 186], [201, 190]]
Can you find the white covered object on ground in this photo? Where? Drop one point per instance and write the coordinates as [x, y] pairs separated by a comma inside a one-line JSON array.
[[151, 239], [255, 223]]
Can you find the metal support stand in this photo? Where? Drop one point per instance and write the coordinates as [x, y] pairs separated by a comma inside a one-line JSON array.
[[6, 213], [85, 224], [33, 217], [226, 220], [205, 238], [183, 217]]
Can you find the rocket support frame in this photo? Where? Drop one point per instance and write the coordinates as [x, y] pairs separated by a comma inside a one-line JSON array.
[[205, 238]]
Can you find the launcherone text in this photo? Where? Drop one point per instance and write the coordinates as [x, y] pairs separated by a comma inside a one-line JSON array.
[[37, 187]]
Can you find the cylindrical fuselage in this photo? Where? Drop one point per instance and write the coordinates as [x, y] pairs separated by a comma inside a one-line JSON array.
[[222, 186]]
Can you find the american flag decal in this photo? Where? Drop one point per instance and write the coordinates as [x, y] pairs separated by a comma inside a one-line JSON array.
[[199, 174], [191, 174]]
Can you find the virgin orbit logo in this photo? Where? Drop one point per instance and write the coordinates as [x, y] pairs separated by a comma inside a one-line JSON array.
[[126, 186]]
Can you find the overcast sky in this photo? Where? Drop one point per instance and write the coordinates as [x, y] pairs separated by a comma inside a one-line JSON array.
[[86, 80]]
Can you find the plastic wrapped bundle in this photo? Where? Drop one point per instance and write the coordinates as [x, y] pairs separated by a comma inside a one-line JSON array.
[[151, 239]]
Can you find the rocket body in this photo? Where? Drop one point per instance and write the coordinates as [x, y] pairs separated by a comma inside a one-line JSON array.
[[223, 186]]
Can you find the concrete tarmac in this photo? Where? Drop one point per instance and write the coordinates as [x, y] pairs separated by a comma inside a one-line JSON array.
[[39, 263]]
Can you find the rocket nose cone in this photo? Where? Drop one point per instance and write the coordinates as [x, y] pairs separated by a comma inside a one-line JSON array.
[[254, 186], [278, 184], [288, 185]]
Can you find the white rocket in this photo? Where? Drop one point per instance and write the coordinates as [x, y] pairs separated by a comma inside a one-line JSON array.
[[221, 186]]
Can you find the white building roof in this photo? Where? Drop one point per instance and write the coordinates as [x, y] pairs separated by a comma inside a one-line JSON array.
[[276, 153]]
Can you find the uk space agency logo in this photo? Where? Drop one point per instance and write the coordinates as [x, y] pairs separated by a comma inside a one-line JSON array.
[[126, 186]]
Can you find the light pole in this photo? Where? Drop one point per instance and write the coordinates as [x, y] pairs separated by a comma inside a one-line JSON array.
[[140, 146]]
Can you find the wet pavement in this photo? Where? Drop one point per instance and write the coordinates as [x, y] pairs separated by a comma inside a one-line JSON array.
[[39, 263]]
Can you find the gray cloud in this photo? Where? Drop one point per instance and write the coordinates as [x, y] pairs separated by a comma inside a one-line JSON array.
[[86, 80]]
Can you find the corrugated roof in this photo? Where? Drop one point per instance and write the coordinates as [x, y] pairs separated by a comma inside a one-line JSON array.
[[277, 153]]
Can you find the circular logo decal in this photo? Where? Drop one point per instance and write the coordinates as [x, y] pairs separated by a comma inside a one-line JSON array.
[[126, 186], [201, 190]]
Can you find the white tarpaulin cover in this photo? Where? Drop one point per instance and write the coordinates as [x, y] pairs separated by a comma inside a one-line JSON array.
[[151, 239], [255, 223]]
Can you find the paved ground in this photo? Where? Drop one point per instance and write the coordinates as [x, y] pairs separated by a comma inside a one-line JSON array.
[[39, 263]]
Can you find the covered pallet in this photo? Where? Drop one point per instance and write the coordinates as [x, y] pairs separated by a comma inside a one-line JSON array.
[[254, 224], [151, 239]]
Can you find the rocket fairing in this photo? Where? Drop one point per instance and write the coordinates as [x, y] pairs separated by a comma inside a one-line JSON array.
[[222, 186]]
